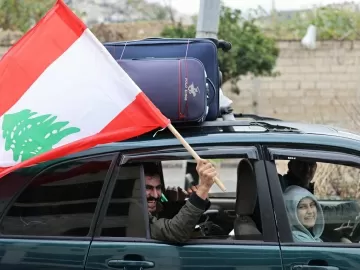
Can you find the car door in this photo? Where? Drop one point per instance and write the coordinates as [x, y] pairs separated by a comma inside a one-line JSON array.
[[336, 174], [47, 217], [122, 238]]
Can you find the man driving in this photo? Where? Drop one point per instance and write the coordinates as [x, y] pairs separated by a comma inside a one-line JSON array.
[[180, 227]]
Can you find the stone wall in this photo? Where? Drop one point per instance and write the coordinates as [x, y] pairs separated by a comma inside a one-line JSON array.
[[314, 86], [3, 49]]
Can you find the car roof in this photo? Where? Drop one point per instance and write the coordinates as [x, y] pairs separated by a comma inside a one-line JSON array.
[[320, 129], [269, 130], [248, 129]]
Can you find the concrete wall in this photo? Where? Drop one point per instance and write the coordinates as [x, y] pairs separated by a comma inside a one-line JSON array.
[[314, 86]]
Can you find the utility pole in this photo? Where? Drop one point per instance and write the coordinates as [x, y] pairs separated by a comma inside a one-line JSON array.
[[273, 12], [208, 20]]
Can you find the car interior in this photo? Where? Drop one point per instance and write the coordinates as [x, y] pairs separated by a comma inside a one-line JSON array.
[[337, 223], [230, 217]]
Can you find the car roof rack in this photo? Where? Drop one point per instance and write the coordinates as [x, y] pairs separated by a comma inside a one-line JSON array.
[[228, 123], [255, 117], [230, 126], [227, 114], [233, 122]]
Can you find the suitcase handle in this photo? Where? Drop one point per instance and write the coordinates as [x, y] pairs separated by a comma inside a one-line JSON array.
[[214, 90], [165, 40], [220, 44], [225, 45]]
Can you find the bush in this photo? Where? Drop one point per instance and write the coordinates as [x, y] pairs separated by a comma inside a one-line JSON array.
[[21, 15], [332, 24]]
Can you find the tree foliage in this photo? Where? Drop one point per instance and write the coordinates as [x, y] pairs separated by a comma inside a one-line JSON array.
[[252, 51], [23, 14], [332, 23]]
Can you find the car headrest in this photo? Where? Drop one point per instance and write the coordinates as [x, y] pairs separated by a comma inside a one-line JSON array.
[[246, 190]]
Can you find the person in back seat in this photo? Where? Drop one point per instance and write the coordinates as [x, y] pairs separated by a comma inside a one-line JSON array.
[[300, 173], [179, 228]]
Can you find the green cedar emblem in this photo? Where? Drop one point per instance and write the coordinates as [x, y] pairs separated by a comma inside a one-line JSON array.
[[28, 134]]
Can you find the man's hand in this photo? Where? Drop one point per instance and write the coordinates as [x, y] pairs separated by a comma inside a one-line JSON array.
[[192, 189], [174, 194], [207, 172]]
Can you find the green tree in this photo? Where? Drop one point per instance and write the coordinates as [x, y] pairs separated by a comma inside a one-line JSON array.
[[252, 51], [23, 14], [13, 15], [331, 22], [179, 31]]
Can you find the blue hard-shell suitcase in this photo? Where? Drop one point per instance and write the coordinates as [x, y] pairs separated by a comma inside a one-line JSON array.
[[203, 49], [180, 93]]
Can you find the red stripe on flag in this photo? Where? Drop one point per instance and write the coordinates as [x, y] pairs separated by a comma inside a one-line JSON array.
[[25, 61], [140, 112], [137, 118]]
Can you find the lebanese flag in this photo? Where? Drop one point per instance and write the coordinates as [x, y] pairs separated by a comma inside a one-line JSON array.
[[62, 92]]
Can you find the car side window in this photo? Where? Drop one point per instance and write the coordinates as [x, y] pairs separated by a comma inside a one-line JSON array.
[[238, 217], [321, 199], [60, 201], [125, 213], [11, 184], [145, 190]]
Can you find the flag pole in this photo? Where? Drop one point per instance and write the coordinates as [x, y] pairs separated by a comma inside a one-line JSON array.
[[193, 153]]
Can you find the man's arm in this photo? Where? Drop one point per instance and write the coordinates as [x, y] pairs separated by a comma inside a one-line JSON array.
[[180, 228]]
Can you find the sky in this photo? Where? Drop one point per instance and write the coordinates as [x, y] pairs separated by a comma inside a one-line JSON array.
[[190, 7]]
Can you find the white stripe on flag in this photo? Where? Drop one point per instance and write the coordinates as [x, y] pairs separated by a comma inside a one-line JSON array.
[[80, 77]]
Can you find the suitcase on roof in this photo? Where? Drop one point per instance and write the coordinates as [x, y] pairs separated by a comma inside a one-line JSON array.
[[203, 49], [177, 87]]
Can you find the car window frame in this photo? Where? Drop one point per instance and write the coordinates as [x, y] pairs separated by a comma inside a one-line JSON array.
[[114, 160], [248, 151], [339, 156]]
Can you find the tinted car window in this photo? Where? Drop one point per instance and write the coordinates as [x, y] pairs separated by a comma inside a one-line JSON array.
[[11, 184], [60, 201], [125, 215]]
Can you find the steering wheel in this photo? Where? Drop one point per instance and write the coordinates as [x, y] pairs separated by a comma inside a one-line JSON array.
[[355, 232], [351, 229], [209, 228]]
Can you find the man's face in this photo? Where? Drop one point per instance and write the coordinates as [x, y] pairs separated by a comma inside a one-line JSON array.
[[153, 191], [304, 171]]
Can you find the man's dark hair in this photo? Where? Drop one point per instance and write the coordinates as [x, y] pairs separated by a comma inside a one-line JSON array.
[[300, 163], [151, 169]]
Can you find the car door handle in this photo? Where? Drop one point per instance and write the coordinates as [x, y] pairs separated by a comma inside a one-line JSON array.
[[313, 267], [132, 264]]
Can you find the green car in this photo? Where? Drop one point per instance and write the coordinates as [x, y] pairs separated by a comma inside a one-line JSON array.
[[88, 211]]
